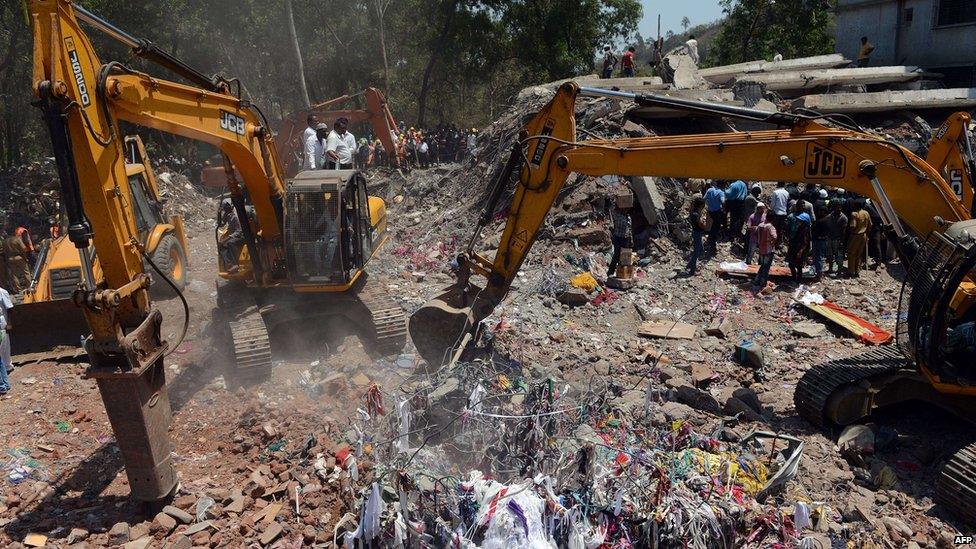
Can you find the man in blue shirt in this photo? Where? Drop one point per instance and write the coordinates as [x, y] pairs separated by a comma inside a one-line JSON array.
[[735, 201], [715, 202]]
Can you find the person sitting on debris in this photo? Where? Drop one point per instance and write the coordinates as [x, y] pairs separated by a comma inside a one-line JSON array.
[[858, 227], [627, 63], [17, 265], [821, 239], [609, 62], [696, 218], [752, 231], [864, 52], [231, 241], [766, 246], [715, 201], [778, 57], [6, 365], [310, 142], [692, 46], [622, 236], [340, 146], [837, 232]]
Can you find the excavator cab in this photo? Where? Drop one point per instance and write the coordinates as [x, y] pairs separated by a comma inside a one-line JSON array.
[[330, 228]]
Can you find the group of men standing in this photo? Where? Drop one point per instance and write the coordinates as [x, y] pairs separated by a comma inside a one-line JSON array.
[[328, 149], [833, 227]]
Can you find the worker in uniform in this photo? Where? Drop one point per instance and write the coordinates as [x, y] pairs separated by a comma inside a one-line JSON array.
[[858, 229], [17, 264]]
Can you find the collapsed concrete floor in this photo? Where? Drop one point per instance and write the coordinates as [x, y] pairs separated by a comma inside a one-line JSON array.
[[294, 461]]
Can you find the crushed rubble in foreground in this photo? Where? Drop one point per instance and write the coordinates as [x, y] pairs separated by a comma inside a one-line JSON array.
[[563, 426]]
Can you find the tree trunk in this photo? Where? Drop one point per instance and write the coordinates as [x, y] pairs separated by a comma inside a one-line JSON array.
[[298, 53], [381, 6], [435, 52]]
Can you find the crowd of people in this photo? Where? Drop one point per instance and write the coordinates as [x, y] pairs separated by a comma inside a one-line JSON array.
[[817, 231], [831, 230], [337, 148]]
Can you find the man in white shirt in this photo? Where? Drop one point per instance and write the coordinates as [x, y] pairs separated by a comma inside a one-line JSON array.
[[778, 208], [692, 46], [340, 146], [309, 141], [5, 363]]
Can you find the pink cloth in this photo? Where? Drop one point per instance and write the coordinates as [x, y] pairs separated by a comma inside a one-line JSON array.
[[767, 238]]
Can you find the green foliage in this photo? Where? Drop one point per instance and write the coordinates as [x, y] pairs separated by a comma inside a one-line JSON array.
[[476, 54], [759, 29]]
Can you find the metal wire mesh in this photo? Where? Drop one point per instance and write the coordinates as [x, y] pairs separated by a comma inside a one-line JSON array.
[[312, 233], [923, 283]]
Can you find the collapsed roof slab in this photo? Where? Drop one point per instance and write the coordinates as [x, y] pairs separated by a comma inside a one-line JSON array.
[[890, 100], [788, 82], [727, 73], [632, 84]]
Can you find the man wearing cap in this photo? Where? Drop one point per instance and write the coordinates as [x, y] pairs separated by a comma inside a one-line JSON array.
[[340, 146], [309, 142]]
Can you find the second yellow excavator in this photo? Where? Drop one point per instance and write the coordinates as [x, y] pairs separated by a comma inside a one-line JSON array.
[[929, 219]]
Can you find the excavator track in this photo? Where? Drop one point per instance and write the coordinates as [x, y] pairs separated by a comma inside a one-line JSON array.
[[387, 321], [815, 388], [955, 487], [252, 347]]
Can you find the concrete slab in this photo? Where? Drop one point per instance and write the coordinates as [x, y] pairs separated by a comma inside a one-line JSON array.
[[804, 80], [727, 73], [650, 200], [890, 100]]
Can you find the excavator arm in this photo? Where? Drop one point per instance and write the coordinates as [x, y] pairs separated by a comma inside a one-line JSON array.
[[808, 152], [951, 153], [81, 100]]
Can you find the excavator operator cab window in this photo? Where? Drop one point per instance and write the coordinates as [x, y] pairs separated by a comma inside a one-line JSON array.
[[146, 216]]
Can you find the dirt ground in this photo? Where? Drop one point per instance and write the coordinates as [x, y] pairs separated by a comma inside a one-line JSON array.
[[250, 450]]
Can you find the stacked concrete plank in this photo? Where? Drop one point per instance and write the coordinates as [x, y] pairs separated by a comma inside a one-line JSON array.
[[728, 73], [955, 98], [797, 82]]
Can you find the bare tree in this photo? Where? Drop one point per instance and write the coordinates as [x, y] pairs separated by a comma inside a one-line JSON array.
[[298, 53], [381, 6], [685, 23]]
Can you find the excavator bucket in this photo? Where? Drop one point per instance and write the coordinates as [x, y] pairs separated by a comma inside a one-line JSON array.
[[438, 327], [40, 327]]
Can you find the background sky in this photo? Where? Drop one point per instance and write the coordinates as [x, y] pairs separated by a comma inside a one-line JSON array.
[[698, 11]]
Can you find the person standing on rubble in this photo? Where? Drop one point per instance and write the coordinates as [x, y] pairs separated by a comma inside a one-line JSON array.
[[864, 52], [310, 142], [837, 233], [609, 62], [757, 218], [735, 200], [766, 246], [715, 201], [23, 233], [858, 229], [340, 146], [696, 218], [778, 206], [692, 46], [622, 236], [821, 240], [798, 249], [749, 208], [6, 364], [627, 63], [17, 266]]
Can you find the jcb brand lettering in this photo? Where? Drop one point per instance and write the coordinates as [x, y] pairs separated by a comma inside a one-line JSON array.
[[943, 129], [232, 123], [83, 94], [824, 163], [540, 149], [955, 180]]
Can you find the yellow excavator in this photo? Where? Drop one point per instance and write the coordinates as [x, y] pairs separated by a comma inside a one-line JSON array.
[[929, 219], [305, 241], [47, 301]]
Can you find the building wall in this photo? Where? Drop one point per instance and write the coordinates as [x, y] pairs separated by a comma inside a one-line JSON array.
[[872, 18], [920, 42]]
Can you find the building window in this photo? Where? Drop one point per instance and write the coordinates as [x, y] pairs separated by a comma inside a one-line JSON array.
[[909, 15], [955, 12]]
